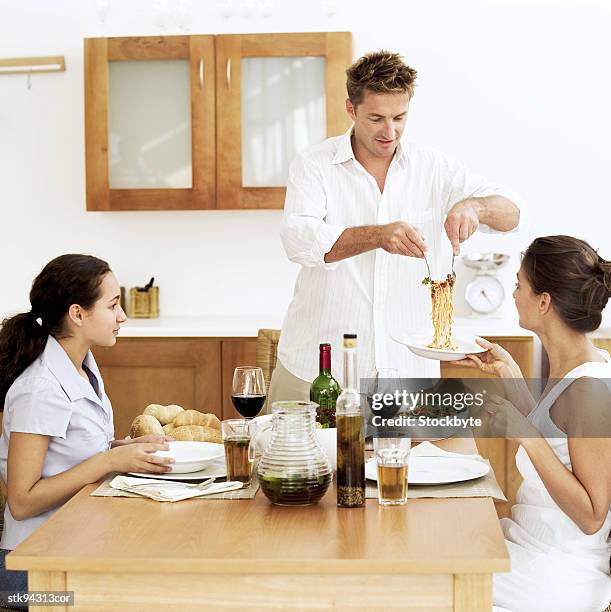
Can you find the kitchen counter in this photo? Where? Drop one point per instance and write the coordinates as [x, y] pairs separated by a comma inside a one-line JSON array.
[[247, 326], [138, 554]]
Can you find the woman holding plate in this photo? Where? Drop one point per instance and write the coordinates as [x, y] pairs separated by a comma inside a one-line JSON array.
[[558, 536]]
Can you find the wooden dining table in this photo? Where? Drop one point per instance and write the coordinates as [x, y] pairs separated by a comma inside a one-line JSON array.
[[139, 554]]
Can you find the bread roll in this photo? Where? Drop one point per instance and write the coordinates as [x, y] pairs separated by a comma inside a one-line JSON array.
[[197, 433], [164, 414], [167, 429], [145, 424], [213, 421], [195, 417]]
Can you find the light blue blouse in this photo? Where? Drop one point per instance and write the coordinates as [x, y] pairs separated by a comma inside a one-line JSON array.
[[52, 399]]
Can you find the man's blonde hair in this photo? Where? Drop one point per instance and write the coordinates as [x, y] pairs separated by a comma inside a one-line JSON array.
[[379, 72]]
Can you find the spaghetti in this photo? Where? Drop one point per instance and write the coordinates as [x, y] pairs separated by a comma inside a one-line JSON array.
[[442, 313]]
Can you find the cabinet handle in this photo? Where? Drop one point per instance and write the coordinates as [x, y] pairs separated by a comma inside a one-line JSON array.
[[201, 73], [229, 73]]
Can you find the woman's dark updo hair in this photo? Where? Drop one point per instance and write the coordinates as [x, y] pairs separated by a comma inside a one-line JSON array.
[[573, 273], [66, 280]]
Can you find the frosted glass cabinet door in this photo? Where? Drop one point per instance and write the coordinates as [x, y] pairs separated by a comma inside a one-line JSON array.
[[149, 124], [276, 95], [150, 127], [283, 112]]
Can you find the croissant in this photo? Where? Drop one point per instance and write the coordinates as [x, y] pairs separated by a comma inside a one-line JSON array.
[[145, 424], [196, 433], [167, 429], [164, 414], [195, 417]]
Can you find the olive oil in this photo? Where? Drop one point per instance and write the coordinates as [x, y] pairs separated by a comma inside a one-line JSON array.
[[350, 435]]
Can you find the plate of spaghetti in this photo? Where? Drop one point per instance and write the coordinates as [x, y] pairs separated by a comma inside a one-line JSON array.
[[442, 346], [420, 345]]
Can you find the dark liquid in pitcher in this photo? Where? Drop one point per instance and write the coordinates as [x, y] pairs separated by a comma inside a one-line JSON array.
[[294, 490], [248, 406]]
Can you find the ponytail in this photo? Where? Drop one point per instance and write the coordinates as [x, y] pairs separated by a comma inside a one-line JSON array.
[[22, 340]]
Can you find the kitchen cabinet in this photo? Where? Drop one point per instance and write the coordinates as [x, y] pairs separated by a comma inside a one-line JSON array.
[[207, 122], [142, 371], [276, 95], [602, 340], [150, 134], [194, 373]]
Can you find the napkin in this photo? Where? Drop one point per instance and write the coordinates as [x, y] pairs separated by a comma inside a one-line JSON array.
[[170, 490], [426, 449]]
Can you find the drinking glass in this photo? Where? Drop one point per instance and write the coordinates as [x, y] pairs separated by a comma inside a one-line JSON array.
[[392, 457], [237, 435], [248, 391]]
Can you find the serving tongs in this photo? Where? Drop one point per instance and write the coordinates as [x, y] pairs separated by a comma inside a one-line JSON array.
[[429, 278]]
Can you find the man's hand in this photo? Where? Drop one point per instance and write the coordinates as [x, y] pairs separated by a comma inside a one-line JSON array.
[[462, 221], [401, 238]]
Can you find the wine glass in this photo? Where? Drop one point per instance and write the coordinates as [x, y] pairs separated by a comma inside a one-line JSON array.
[[380, 382], [248, 391]]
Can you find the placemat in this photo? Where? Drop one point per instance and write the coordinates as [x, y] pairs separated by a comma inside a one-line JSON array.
[[486, 486], [105, 490]]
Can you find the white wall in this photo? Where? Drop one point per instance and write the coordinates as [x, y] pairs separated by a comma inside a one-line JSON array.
[[517, 89]]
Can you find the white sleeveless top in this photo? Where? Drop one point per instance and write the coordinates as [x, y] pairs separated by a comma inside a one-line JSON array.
[[544, 526]]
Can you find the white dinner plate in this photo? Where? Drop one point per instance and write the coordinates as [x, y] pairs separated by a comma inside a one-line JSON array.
[[215, 469], [418, 344], [436, 470], [191, 456]]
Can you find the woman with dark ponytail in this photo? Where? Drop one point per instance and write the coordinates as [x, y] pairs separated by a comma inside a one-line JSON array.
[[58, 433], [559, 533]]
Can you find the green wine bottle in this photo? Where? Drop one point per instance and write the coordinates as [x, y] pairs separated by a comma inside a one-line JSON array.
[[325, 389]]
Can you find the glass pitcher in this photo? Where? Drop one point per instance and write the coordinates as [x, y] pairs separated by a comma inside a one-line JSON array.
[[294, 470]]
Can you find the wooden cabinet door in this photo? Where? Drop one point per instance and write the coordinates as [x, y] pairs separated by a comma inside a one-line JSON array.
[[499, 451], [142, 371], [231, 50], [199, 113]]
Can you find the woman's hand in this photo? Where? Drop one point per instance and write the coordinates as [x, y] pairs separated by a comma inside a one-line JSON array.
[[506, 421], [152, 438], [139, 457], [496, 360]]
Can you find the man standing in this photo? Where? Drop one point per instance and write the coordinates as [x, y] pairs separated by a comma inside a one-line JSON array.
[[361, 211]]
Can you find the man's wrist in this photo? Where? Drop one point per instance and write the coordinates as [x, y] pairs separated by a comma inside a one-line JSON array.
[[378, 232]]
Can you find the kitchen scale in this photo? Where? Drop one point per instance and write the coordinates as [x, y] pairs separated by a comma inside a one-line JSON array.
[[485, 293]]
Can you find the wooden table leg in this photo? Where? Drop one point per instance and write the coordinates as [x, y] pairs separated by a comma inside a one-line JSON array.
[[48, 581], [472, 592]]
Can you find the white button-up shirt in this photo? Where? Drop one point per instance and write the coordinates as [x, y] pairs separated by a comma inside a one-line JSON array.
[[52, 399], [375, 295]]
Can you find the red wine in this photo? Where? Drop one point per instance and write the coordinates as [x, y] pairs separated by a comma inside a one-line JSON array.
[[248, 406]]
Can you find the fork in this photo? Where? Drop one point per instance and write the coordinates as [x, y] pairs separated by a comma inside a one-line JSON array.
[[429, 269], [427, 265]]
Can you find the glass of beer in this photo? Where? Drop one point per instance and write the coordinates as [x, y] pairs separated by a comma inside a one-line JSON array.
[[392, 457], [236, 440]]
